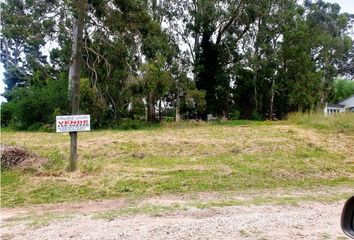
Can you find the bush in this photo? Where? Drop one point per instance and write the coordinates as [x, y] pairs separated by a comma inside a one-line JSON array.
[[35, 127], [234, 115], [47, 128], [129, 124], [31, 108], [6, 114], [256, 116]]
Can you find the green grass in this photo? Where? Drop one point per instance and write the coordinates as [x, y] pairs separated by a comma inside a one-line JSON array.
[[178, 158]]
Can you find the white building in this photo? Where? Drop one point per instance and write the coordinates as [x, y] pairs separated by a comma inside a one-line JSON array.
[[349, 103], [346, 105]]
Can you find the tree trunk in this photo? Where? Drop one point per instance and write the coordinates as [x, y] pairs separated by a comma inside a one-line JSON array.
[[160, 111], [256, 65], [196, 43], [255, 76], [177, 115], [151, 116], [74, 74], [271, 102]]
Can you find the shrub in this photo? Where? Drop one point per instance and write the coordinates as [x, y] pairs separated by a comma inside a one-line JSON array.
[[6, 114], [256, 116], [32, 107], [235, 114], [129, 124]]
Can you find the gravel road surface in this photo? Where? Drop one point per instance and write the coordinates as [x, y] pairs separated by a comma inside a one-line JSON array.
[[311, 220]]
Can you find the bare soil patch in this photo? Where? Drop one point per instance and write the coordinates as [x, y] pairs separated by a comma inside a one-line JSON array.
[[88, 207], [245, 197]]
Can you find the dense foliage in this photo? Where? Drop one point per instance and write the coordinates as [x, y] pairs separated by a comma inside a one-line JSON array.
[[342, 89], [181, 59]]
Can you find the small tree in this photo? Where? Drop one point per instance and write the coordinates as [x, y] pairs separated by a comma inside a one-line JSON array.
[[153, 84]]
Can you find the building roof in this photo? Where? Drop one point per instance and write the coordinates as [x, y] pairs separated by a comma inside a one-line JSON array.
[[330, 105], [352, 96]]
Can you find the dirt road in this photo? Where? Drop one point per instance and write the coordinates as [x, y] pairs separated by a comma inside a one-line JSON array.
[[305, 221]]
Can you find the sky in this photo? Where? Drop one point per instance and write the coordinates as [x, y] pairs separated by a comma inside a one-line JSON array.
[[346, 6]]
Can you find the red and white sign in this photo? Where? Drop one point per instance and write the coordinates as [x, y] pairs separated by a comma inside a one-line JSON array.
[[73, 123]]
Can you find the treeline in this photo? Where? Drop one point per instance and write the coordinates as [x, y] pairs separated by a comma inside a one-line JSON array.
[[151, 59]]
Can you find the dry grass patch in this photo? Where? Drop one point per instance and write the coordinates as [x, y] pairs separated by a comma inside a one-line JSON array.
[[172, 160]]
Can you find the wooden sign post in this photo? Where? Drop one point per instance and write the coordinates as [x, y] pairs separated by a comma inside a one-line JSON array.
[[73, 124], [80, 10]]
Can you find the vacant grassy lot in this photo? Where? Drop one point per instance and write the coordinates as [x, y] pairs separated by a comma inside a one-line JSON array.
[[182, 158]]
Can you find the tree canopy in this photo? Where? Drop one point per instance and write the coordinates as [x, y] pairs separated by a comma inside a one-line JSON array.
[[181, 59]]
